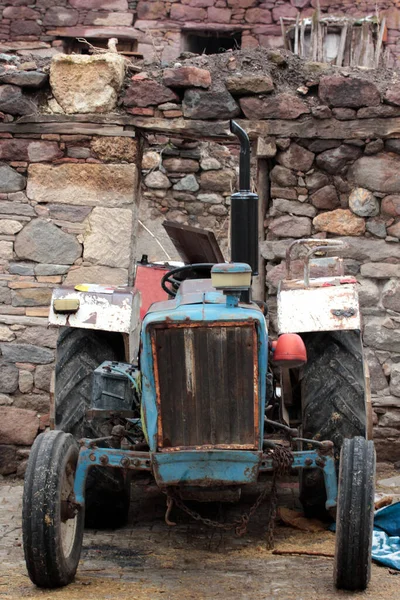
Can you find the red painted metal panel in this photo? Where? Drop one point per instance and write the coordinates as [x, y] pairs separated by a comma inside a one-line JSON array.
[[148, 282]]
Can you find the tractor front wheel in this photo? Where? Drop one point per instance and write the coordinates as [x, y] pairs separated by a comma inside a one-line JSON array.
[[52, 525], [355, 514]]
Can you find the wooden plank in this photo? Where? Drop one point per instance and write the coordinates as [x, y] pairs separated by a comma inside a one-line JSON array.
[[283, 29], [67, 128], [109, 118], [380, 41], [342, 43], [296, 35], [347, 46], [303, 39]]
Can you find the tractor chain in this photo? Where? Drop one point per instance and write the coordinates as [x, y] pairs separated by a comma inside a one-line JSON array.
[[282, 459]]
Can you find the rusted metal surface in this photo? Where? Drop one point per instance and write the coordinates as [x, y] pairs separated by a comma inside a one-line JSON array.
[[311, 246], [206, 385], [325, 308]]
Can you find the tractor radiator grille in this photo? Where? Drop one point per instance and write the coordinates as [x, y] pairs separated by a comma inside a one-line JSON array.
[[207, 385]]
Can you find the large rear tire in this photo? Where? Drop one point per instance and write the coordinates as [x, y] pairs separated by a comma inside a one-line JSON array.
[[79, 353], [52, 528], [355, 515], [333, 392]]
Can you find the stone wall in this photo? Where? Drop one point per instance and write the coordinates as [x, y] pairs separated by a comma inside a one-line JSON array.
[[159, 28], [330, 137]]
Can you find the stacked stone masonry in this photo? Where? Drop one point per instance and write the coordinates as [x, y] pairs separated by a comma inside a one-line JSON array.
[[160, 29], [69, 207]]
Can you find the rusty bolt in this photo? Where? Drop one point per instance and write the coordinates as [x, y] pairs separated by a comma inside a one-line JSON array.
[[136, 462], [92, 457], [308, 462], [125, 462], [104, 459]]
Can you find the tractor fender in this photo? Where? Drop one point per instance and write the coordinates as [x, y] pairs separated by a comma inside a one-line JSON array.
[[99, 307], [326, 304]]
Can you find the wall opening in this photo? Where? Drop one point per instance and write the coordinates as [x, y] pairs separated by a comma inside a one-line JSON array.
[[211, 42]]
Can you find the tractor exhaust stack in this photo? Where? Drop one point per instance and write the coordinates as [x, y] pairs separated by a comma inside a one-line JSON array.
[[244, 209]]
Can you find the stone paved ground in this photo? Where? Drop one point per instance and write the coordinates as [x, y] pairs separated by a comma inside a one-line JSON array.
[[148, 560]]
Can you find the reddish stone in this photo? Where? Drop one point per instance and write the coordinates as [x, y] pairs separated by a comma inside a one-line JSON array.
[[181, 165], [284, 11], [288, 226], [100, 4], [391, 205], [28, 150], [296, 157], [348, 92], [151, 10], [267, 30], [187, 13], [373, 112], [248, 41], [340, 222], [281, 106], [143, 112], [172, 114], [21, 12], [18, 426], [25, 28], [344, 114], [334, 160], [258, 15], [147, 93], [8, 459], [242, 3], [325, 198], [219, 15], [58, 16], [392, 18], [187, 77], [200, 3], [392, 95], [300, 3]]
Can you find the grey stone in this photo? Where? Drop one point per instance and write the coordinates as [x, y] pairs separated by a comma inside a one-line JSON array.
[[43, 375], [8, 377], [16, 208], [393, 145], [210, 164], [322, 145], [38, 402], [287, 193], [41, 241], [334, 160], [395, 380], [26, 353], [325, 198], [374, 147], [25, 382], [8, 459], [316, 180], [157, 180], [283, 177], [368, 292], [99, 274], [296, 157], [378, 380], [5, 295], [67, 212], [13, 102], [39, 336], [344, 114], [211, 198], [280, 205], [188, 184], [39, 296], [376, 227], [108, 241], [391, 481], [10, 180], [78, 152], [363, 203], [391, 295], [5, 400], [377, 270], [321, 112], [29, 79], [381, 337], [377, 173], [296, 227], [219, 210], [201, 104], [21, 268], [44, 269]]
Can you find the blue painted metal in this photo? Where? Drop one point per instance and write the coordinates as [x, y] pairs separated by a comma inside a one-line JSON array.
[[206, 468], [311, 459], [210, 310]]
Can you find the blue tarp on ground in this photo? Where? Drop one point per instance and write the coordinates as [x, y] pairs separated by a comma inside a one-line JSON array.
[[386, 538]]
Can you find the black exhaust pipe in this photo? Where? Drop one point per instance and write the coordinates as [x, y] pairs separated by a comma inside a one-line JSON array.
[[244, 209]]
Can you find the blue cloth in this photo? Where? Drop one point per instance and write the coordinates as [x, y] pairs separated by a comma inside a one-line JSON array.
[[386, 537]]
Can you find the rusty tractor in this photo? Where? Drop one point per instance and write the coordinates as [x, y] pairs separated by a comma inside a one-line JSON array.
[[193, 392]]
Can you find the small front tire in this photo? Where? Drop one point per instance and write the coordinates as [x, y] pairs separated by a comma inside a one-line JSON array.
[[355, 514], [52, 527]]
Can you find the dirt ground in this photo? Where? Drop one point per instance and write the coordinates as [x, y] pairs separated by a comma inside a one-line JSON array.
[[149, 560]]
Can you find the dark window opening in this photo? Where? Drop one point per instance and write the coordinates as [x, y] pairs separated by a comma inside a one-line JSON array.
[[212, 42], [74, 46]]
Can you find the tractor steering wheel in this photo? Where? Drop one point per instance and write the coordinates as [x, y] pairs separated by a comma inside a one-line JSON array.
[[173, 283]]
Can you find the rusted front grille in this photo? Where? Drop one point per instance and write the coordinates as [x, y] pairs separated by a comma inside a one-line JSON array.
[[207, 385]]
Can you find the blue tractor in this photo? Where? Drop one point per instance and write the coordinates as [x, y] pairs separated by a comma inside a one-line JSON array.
[[204, 401]]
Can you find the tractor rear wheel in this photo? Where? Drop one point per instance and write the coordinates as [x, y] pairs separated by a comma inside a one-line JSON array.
[[333, 392], [79, 353], [355, 515]]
